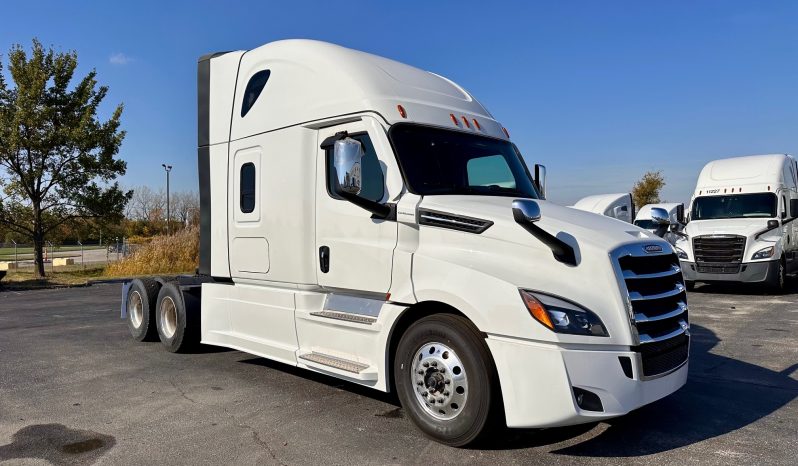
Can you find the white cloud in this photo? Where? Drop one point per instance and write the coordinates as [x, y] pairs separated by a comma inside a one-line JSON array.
[[119, 59]]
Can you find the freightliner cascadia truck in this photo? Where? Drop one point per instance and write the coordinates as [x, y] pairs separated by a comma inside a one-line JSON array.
[[371, 221]]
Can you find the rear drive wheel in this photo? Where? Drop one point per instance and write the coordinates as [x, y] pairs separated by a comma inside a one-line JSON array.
[[142, 296], [178, 324], [445, 379]]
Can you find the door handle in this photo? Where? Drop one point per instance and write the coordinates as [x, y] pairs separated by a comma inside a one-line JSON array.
[[324, 259]]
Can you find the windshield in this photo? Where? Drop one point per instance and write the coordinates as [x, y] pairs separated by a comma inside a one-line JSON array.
[[758, 205], [440, 161], [647, 224]]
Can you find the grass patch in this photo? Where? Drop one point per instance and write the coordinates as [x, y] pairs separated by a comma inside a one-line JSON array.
[[174, 254], [67, 276]]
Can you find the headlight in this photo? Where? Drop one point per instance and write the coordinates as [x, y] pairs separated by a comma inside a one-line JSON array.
[[764, 253], [562, 316], [680, 253]]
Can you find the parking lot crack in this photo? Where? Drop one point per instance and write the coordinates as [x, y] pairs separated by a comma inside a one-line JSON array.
[[182, 392], [263, 444]]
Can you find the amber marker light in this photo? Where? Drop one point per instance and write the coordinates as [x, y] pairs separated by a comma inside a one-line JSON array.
[[536, 309], [454, 119], [465, 120], [402, 111], [506, 133]]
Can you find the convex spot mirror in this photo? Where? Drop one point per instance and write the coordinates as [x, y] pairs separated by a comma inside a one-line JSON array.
[[347, 153], [660, 216]]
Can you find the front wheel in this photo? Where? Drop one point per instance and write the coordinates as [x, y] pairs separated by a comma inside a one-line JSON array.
[[445, 379], [779, 283]]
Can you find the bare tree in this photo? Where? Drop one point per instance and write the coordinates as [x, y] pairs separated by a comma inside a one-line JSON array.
[[185, 207], [147, 204]]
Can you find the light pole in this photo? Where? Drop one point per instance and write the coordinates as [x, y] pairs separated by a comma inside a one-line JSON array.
[[168, 168]]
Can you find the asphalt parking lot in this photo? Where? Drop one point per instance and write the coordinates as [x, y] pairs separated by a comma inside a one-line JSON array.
[[75, 389]]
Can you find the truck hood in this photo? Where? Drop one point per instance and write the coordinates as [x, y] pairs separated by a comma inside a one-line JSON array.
[[726, 226], [575, 227]]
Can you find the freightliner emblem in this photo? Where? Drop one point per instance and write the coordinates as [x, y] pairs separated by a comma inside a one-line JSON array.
[[652, 248]]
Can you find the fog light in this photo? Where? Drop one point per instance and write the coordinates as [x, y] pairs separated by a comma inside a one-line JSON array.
[[587, 400]]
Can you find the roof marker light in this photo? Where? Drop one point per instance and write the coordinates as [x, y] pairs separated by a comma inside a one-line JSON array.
[[454, 119], [506, 133], [402, 111], [465, 120], [476, 124]]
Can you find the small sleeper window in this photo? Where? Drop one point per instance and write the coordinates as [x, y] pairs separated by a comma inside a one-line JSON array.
[[254, 87], [247, 202]]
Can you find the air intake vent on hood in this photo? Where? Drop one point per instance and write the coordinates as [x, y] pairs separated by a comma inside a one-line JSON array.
[[451, 221]]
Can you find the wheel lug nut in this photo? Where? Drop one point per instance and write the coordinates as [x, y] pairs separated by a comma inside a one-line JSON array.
[[424, 393], [420, 383], [442, 370], [434, 364], [420, 372], [445, 393], [426, 364], [447, 381]]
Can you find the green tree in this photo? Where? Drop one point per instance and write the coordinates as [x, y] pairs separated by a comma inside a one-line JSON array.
[[647, 189], [58, 157]]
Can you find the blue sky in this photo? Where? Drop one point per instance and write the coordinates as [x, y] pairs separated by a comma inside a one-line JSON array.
[[600, 92]]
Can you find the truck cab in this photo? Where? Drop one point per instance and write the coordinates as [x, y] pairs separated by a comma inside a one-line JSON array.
[[371, 221], [741, 222]]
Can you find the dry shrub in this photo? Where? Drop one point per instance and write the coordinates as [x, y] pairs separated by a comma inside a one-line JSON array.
[[178, 253]]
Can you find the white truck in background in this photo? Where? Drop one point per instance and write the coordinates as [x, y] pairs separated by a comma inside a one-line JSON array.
[[741, 224], [619, 206], [371, 221]]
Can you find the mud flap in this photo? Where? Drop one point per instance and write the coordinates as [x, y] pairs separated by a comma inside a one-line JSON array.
[[125, 288]]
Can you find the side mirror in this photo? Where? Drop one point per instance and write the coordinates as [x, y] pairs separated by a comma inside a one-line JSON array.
[[680, 214], [773, 224], [540, 180], [526, 210], [660, 216], [347, 153]]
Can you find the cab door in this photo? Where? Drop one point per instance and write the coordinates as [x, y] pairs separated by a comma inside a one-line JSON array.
[[354, 250]]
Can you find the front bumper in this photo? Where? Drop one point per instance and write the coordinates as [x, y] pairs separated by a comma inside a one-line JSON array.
[[750, 272], [537, 382]]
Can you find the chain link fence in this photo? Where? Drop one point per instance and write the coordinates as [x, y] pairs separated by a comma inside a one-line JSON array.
[[65, 256]]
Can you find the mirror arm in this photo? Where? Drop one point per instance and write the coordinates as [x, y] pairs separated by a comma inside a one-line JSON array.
[[561, 250], [380, 211]]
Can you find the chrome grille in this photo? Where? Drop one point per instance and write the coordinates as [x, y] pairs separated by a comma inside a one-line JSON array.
[[718, 253], [658, 298]]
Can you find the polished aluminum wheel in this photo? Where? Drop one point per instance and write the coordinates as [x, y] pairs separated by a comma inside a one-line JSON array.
[[168, 312], [440, 381], [135, 307]]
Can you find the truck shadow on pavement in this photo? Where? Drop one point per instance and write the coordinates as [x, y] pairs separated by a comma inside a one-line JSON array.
[[721, 395]]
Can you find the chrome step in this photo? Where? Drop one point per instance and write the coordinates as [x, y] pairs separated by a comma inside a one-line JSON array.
[[334, 362], [357, 318]]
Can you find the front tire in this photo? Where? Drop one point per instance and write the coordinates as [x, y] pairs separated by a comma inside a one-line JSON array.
[[445, 379], [779, 283]]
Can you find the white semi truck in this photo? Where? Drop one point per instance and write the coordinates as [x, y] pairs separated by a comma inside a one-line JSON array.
[[619, 206], [741, 224], [371, 221]]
